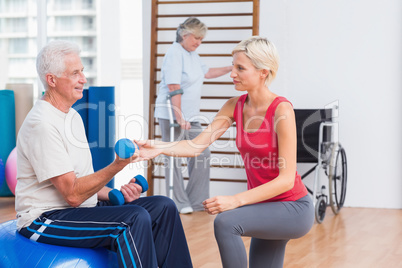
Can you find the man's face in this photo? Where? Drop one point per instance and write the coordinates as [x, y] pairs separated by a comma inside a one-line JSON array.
[[71, 83]]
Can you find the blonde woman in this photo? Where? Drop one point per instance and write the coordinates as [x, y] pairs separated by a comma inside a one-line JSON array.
[[276, 207]]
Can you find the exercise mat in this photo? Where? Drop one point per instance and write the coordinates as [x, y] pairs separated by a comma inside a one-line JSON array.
[[7, 133], [81, 106], [101, 126], [23, 95]]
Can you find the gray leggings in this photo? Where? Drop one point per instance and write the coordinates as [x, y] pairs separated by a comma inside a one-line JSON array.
[[271, 226]]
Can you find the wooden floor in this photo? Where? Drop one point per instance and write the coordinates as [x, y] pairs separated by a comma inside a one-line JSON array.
[[357, 237]]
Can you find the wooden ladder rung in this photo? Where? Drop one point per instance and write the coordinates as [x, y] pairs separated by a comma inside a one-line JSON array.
[[203, 42], [211, 179], [212, 166], [204, 15], [206, 83], [204, 55], [213, 28], [201, 2], [220, 139]]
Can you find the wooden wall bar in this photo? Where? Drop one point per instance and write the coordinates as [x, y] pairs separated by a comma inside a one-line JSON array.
[[228, 22]]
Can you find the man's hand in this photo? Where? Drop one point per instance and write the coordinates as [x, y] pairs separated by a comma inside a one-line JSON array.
[[131, 191]]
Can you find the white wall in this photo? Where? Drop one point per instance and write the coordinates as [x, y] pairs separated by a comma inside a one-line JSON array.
[[346, 51], [351, 52], [146, 53], [108, 45], [3, 67], [129, 119]]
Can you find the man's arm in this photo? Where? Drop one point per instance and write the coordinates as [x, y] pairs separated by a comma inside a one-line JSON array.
[[76, 190]]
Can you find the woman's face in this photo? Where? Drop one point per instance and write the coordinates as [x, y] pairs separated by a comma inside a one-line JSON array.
[[245, 76], [191, 42]]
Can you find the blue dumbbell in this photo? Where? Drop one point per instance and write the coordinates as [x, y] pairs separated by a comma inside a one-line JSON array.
[[116, 197], [125, 148]]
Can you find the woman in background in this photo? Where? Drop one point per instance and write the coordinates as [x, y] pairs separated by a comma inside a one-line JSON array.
[[182, 68]]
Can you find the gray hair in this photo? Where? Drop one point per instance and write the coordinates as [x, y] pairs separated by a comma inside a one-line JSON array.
[[262, 53], [193, 26], [51, 58]]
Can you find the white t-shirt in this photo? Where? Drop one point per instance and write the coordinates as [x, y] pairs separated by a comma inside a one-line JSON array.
[[186, 69], [50, 143]]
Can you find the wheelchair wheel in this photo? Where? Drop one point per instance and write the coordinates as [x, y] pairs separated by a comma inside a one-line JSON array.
[[320, 208], [338, 180]]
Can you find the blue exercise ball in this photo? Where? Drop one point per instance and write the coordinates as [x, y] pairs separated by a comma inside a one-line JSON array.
[[18, 251]]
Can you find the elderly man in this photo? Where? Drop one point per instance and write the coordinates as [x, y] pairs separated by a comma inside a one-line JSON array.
[[59, 198]]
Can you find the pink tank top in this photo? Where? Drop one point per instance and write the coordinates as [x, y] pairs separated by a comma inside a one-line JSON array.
[[259, 151]]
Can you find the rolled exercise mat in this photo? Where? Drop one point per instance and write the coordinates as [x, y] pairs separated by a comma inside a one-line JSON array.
[[23, 95], [81, 106], [7, 133], [2, 173], [101, 127]]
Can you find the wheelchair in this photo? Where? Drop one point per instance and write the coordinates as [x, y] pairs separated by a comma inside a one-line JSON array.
[[317, 144]]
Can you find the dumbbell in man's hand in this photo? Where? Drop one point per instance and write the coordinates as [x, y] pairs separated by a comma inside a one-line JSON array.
[[125, 148], [116, 197]]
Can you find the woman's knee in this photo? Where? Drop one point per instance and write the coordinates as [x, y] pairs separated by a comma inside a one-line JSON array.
[[225, 223]]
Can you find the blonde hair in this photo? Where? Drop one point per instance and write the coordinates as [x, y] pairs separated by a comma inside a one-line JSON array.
[[193, 26], [262, 53]]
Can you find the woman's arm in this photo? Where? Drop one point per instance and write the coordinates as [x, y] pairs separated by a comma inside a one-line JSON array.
[[191, 148], [216, 72], [285, 127]]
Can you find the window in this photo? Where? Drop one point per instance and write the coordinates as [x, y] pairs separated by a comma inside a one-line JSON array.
[[73, 20], [18, 25], [64, 23], [63, 5], [18, 46], [88, 64], [88, 44], [7, 6], [87, 4], [21, 68], [88, 23]]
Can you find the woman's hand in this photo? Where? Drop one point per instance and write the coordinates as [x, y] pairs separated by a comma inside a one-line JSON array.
[[131, 191], [148, 149], [220, 204]]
